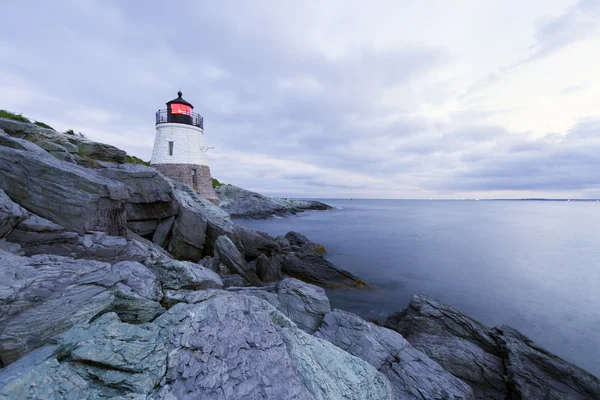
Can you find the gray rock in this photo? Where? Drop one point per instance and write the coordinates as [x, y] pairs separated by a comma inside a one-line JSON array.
[[133, 308], [461, 345], [535, 373], [174, 274], [140, 279], [243, 203], [10, 214], [44, 295], [76, 198], [304, 304], [37, 235], [162, 233], [13, 248], [234, 346], [144, 227], [232, 258], [225, 346], [201, 211], [152, 196], [268, 269], [412, 374], [254, 243], [234, 281], [313, 268], [100, 151]]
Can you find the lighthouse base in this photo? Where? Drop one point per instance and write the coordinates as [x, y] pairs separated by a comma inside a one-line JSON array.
[[197, 176]]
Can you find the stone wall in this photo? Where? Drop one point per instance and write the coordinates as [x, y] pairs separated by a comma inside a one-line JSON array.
[[185, 173]]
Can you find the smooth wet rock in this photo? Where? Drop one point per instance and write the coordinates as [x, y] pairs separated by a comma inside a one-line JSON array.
[[268, 269], [233, 259], [535, 373], [74, 197], [461, 345], [412, 374], [10, 214], [303, 303]]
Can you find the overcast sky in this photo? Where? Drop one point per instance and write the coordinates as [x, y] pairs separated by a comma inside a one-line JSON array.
[[375, 99]]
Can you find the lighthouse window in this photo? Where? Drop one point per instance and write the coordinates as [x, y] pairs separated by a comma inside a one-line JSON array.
[[170, 148], [181, 109]]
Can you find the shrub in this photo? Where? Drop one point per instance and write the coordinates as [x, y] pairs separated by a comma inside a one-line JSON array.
[[43, 125], [320, 250], [134, 160], [70, 132], [216, 183], [13, 116]]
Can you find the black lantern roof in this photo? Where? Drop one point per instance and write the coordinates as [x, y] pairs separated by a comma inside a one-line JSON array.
[[179, 100]]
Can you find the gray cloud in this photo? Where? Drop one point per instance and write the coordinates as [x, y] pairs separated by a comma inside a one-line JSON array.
[[285, 117]]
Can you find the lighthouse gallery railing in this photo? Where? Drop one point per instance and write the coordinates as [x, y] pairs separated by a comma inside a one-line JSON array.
[[163, 116]]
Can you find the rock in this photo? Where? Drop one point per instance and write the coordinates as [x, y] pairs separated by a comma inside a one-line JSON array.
[[305, 261], [37, 235], [243, 203], [234, 281], [174, 274], [162, 233], [268, 269], [284, 244], [188, 235], [313, 268], [44, 295], [100, 151], [13, 248], [304, 304], [254, 243], [535, 373], [461, 345], [10, 214], [140, 279], [223, 346], [74, 197], [133, 308], [218, 221], [152, 197], [232, 258], [412, 374]]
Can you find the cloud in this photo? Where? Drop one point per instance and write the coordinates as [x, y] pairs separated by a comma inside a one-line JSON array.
[[313, 99]]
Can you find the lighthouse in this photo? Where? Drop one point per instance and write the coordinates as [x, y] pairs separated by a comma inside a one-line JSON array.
[[179, 150]]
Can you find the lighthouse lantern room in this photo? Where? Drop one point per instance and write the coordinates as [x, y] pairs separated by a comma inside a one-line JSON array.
[[179, 150]]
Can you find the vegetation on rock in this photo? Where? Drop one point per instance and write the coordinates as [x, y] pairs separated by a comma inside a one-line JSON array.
[[216, 183], [134, 160], [13, 116]]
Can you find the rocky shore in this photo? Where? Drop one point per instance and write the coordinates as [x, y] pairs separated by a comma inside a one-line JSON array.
[[118, 283], [242, 203]]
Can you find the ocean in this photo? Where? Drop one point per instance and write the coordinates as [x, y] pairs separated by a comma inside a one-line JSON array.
[[534, 265]]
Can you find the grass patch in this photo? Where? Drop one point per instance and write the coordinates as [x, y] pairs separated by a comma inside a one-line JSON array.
[[13, 116], [134, 160], [43, 125], [216, 183]]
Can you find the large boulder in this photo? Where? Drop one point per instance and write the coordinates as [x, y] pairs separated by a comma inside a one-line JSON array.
[[10, 214], [74, 197], [254, 243], [234, 261], [268, 269], [175, 274], [244, 203], [412, 374], [303, 303], [44, 295], [535, 373], [305, 261], [463, 346], [225, 346], [152, 198]]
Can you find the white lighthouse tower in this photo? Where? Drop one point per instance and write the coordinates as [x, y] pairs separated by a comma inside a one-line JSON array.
[[179, 150]]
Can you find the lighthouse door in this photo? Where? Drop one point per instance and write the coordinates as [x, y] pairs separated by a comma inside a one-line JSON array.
[[194, 177]]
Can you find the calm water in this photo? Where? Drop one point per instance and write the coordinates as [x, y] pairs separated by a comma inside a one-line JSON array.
[[532, 265]]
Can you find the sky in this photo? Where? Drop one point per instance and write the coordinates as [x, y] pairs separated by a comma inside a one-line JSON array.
[[320, 99]]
